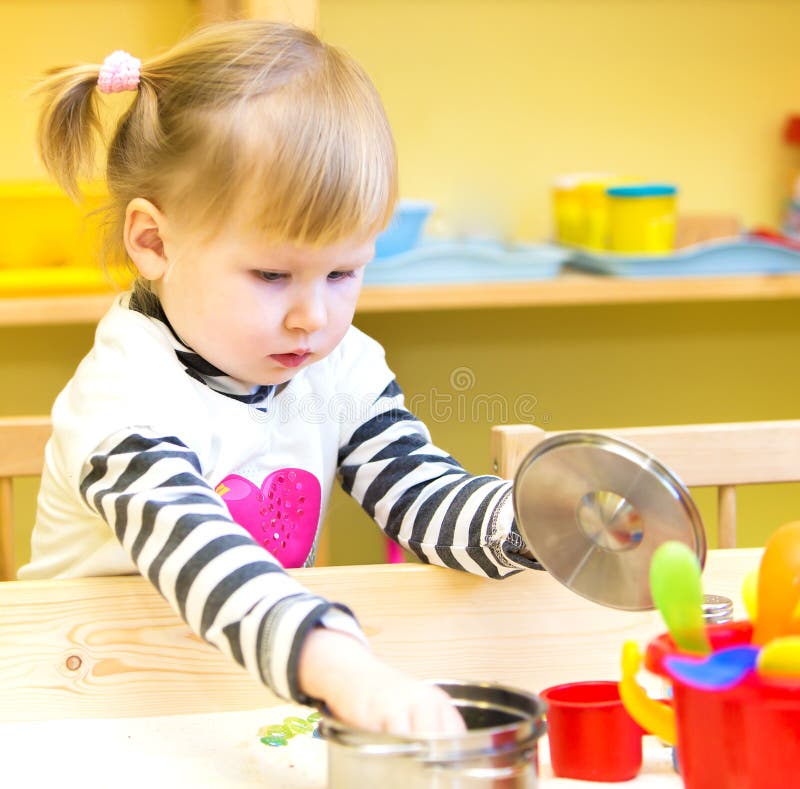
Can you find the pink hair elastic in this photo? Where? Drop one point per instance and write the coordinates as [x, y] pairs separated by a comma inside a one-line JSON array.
[[120, 71]]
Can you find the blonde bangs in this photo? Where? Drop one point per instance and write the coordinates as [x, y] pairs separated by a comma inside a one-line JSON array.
[[312, 163]]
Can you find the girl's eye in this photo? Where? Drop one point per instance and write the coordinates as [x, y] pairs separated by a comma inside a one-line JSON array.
[[339, 275], [271, 276]]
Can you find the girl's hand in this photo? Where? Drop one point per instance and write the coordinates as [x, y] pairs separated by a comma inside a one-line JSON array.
[[362, 691]]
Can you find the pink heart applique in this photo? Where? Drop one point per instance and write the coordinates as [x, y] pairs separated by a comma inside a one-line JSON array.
[[283, 515]]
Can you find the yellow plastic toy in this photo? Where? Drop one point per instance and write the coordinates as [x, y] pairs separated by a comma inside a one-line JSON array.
[[778, 593], [654, 716], [780, 658]]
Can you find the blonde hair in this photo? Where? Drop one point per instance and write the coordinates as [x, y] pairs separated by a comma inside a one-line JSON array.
[[249, 121]]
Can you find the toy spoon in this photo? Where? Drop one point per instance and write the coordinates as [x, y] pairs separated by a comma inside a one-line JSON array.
[[719, 671], [778, 585], [678, 594], [750, 595], [780, 658]]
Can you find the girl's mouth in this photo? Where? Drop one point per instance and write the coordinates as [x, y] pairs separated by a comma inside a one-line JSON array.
[[290, 359]]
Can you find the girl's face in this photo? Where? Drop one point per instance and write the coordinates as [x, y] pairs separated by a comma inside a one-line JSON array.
[[261, 313]]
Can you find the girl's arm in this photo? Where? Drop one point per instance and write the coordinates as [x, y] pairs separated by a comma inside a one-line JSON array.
[[424, 500], [180, 535], [235, 595]]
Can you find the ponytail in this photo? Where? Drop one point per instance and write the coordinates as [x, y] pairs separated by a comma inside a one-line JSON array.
[[69, 125]]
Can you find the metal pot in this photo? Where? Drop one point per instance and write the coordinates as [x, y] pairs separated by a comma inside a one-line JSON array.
[[498, 750]]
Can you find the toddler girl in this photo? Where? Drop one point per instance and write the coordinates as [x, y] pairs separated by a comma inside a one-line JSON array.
[[224, 393]]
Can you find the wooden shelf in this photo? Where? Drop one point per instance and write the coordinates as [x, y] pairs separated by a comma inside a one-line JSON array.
[[576, 289], [54, 310], [565, 290]]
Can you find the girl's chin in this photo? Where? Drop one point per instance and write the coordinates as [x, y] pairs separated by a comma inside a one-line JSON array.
[[278, 376]]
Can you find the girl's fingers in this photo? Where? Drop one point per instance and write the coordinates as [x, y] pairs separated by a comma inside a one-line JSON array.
[[435, 713]]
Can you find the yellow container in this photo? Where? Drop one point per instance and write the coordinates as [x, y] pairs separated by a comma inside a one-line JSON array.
[[595, 220], [580, 207], [57, 281], [641, 218], [567, 210], [41, 227]]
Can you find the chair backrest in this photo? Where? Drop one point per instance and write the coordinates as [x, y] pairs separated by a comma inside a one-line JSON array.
[[720, 455], [22, 441]]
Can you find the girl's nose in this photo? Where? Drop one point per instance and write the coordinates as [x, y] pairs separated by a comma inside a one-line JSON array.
[[308, 314]]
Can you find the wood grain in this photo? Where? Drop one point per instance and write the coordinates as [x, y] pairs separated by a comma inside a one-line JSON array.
[[577, 289], [722, 455], [22, 442], [726, 453], [111, 647], [568, 289]]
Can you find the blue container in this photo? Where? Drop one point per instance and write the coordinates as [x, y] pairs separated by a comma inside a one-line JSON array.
[[404, 229]]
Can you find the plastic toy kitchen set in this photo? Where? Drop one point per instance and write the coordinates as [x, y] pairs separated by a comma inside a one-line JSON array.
[[731, 703], [621, 530], [632, 228]]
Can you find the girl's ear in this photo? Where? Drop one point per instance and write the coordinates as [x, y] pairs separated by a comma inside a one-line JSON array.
[[145, 227]]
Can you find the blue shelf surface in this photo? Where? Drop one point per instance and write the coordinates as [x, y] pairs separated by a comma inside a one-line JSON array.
[[725, 256], [467, 261]]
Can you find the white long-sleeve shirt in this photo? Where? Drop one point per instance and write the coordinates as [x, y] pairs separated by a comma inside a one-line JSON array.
[[148, 436]]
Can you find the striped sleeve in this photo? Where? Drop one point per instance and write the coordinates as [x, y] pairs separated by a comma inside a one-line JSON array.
[[229, 590], [423, 499]]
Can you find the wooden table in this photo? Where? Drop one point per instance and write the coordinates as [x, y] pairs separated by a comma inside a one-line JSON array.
[[209, 751], [102, 685]]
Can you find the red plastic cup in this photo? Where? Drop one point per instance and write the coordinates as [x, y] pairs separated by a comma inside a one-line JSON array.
[[592, 737]]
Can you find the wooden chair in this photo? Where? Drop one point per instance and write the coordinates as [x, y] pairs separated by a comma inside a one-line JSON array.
[[22, 441], [720, 455]]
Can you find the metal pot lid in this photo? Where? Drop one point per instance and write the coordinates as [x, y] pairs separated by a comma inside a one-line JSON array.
[[593, 509]]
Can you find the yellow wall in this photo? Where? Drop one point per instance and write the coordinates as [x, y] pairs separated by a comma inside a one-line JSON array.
[[35, 36], [490, 100]]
